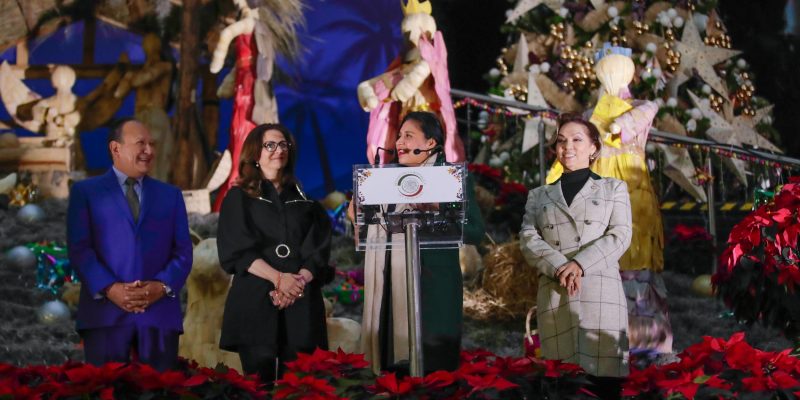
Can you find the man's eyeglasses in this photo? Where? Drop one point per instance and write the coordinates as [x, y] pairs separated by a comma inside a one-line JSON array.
[[272, 146]]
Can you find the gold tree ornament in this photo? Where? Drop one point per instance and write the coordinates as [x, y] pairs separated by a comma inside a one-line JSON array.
[[640, 27], [557, 32]]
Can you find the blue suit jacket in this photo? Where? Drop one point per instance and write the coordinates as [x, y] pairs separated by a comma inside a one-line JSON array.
[[106, 246]]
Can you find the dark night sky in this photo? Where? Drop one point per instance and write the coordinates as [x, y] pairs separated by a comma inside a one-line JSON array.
[[471, 31]]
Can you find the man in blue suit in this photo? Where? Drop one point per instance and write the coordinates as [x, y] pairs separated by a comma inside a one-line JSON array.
[[128, 238]]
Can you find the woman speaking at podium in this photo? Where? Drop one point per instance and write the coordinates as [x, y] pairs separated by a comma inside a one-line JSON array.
[[384, 329]]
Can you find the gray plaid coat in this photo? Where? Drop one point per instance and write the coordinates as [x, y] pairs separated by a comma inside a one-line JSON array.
[[589, 329]]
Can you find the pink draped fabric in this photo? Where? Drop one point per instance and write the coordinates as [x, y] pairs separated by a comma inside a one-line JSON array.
[[436, 55], [383, 119], [380, 119], [243, 102], [636, 123]]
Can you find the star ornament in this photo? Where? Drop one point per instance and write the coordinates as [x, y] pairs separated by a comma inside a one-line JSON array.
[[736, 131], [526, 5], [530, 137], [695, 55]]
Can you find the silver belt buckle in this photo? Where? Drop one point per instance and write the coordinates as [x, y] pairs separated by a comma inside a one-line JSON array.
[[285, 254]]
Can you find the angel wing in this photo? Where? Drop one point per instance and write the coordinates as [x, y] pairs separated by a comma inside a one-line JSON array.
[[15, 93], [221, 173], [8, 183]]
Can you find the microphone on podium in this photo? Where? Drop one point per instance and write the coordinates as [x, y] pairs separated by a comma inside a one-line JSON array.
[[378, 154]]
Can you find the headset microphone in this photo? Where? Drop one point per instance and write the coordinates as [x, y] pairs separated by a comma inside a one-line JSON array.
[[432, 150]]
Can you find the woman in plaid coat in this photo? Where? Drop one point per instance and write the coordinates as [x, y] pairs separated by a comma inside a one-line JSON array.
[[574, 232]]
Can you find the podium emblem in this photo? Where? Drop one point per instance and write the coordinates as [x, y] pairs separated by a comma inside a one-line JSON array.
[[410, 185]]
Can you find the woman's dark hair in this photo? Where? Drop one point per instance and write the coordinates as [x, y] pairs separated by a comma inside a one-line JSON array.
[[250, 176], [428, 123], [575, 118]]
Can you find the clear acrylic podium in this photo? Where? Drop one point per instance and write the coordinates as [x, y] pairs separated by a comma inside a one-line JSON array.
[[427, 204]]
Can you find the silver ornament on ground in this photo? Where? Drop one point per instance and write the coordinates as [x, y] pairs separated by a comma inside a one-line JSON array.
[[21, 257], [30, 213], [53, 311]]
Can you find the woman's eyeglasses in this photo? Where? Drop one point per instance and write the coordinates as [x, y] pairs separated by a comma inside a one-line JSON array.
[[272, 146]]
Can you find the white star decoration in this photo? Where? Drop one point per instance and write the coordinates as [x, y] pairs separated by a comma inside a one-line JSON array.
[[530, 136], [695, 55], [526, 5], [680, 168], [735, 131]]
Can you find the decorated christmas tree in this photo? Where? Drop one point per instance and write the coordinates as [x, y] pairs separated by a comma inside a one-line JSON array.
[[684, 62]]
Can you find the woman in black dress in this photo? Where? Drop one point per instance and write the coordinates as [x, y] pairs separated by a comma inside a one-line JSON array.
[[276, 244]]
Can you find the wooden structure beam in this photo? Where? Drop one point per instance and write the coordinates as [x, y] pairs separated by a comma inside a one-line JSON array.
[[186, 168]]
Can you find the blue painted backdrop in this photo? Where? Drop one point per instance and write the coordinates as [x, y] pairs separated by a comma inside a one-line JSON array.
[[345, 42]]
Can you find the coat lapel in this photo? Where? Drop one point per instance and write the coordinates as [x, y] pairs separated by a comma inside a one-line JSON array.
[[578, 207], [555, 194], [111, 184]]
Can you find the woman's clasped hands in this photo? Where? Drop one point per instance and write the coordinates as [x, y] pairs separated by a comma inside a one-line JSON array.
[[569, 276], [288, 288]]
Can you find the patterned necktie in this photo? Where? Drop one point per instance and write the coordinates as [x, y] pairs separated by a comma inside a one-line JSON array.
[[133, 199]]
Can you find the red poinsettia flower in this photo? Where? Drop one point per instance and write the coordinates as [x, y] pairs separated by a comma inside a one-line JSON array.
[[508, 190], [686, 233], [439, 379], [788, 237], [348, 360], [480, 383], [486, 171], [782, 361], [743, 357], [789, 275], [685, 383], [249, 384], [557, 368], [715, 381], [641, 381], [327, 361], [292, 386], [389, 385], [476, 368], [510, 366], [319, 360], [196, 380], [778, 380], [475, 355]]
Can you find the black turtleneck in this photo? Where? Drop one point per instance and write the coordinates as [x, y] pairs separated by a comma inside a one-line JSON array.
[[572, 183]]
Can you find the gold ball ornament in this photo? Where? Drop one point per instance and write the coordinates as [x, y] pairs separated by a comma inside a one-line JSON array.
[[333, 200], [702, 286]]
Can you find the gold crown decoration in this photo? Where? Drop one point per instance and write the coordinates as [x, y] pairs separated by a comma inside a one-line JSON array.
[[416, 7]]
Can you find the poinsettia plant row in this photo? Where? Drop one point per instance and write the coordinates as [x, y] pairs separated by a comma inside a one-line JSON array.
[[482, 375], [716, 368], [319, 375]]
